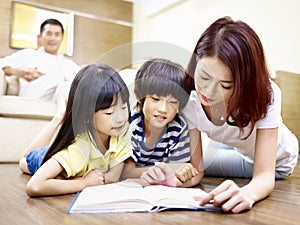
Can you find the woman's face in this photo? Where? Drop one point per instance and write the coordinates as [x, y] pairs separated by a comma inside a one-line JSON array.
[[213, 81]]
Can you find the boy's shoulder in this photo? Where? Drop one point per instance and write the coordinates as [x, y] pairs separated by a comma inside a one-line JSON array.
[[136, 117], [179, 121]]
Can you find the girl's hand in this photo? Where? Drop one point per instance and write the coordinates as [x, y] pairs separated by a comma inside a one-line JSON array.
[[95, 177], [160, 174], [187, 172], [230, 197]]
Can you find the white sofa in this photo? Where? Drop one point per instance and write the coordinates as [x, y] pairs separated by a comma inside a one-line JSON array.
[[21, 119]]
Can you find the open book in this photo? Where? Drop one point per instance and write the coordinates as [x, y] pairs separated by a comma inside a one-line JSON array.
[[132, 197]]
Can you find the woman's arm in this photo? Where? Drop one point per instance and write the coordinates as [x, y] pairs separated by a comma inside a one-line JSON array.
[[45, 181], [235, 199], [263, 179]]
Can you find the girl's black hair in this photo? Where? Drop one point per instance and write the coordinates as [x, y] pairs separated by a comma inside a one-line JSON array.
[[95, 87]]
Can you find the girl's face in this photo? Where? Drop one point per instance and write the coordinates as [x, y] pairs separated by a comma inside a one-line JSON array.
[[159, 111], [213, 81], [111, 121]]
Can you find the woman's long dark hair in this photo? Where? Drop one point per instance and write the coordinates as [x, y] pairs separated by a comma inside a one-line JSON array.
[[237, 45], [95, 87]]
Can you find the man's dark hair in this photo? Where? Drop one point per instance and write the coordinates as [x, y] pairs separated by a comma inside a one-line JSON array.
[[51, 21]]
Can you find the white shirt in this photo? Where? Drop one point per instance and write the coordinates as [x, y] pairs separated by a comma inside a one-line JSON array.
[[56, 69], [287, 153]]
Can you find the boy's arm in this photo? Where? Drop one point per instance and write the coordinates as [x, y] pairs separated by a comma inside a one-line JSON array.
[[196, 157], [131, 171]]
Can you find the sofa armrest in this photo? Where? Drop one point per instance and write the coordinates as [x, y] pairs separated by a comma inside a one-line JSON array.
[[3, 83], [18, 107]]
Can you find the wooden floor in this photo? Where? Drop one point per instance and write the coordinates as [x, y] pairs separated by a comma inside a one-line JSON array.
[[282, 207]]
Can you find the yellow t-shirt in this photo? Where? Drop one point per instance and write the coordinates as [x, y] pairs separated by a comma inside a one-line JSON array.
[[82, 156]]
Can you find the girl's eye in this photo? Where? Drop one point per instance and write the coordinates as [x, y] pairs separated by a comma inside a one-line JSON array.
[[154, 98], [108, 113]]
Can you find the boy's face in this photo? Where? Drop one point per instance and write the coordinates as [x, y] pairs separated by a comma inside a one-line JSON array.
[[159, 111], [51, 38]]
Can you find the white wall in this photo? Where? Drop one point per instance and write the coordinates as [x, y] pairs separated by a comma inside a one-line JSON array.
[[180, 23]]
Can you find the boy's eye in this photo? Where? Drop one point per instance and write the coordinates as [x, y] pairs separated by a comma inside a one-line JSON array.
[[174, 102]]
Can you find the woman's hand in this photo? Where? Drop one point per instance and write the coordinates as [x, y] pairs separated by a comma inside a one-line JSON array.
[[230, 197], [161, 174]]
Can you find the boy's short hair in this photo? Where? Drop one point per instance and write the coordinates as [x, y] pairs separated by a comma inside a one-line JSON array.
[[160, 77]]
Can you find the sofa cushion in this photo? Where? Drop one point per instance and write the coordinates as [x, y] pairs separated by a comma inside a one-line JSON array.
[[12, 85], [14, 106], [3, 83]]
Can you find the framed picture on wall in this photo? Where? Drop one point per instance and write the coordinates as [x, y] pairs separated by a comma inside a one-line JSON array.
[[26, 19]]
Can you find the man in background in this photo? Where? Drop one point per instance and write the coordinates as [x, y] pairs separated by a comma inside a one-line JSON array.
[[42, 72]]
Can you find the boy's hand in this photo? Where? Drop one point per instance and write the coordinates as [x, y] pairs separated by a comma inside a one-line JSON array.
[[160, 174], [187, 172]]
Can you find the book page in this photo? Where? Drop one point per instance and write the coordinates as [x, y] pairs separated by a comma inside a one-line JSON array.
[[131, 197], [121, 196], [174, 197]]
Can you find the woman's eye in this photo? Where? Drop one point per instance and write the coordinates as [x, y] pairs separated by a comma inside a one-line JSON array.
[[204, 78], [226, 87], [108, 113]]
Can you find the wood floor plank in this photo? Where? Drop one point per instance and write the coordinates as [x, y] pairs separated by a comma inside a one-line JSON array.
[[281, 207]]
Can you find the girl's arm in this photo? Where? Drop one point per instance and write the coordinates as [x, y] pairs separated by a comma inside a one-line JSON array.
[[45, 181], [236, 199]]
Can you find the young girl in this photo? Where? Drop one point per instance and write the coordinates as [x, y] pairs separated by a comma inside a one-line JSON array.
[[92, 142], [235, 103], [160, 134]]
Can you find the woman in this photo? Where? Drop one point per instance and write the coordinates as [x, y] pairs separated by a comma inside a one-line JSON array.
[[238, 105]]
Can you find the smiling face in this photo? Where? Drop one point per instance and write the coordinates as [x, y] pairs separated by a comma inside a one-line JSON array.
[[51, 38], [213, 81], [159, 111], [111, 121]]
